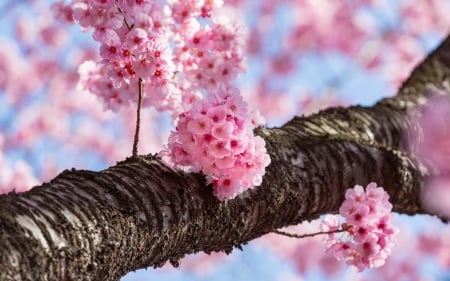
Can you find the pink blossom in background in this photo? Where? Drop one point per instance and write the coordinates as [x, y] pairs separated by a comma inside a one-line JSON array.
[[15, 178], [433, 150], [426, 16], [309, 104], [307, 254], [336, 15], [434, 147], [436, 195], [203, 264]]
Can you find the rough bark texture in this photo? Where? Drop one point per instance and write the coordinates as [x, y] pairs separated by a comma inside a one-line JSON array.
[[86, 225]]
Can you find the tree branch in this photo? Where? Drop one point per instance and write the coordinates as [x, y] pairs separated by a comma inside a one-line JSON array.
[[86, 225]]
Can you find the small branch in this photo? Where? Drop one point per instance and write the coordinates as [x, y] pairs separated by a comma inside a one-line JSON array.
[[138, 111], [138, 120], [291, 235], [125, 20]]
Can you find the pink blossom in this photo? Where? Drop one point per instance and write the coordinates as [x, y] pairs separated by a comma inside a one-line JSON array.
[[359, 216], [182, 10], [144, 66], [225, 35], [217, 114], [369, 247], [225, 162], [361, 232], [133, 6], [200, 40], [329, 224], [342, 250], [200, 125], [236, 105], [111, 45], [226, 187], [219, 148], [357, 194], [223, 130], [347, 208], [238, 145], [143, 20], [81, 14], [136, 38]]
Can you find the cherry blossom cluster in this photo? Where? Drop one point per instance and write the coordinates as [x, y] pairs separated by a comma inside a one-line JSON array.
[[167, 44], [370, 233], [216, 137], [211, 55], [132, 46]]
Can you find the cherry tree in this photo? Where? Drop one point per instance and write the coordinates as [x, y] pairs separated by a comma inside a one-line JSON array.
[[210, 159]]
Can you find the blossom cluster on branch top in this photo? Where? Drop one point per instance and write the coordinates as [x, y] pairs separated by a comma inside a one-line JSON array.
[[216, 137]]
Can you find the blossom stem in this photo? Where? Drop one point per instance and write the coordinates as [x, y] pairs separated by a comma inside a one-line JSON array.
[[292, 235], [125, 19], [138, 120]]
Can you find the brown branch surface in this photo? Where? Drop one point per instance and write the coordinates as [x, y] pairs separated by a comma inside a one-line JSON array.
[[86, 225]]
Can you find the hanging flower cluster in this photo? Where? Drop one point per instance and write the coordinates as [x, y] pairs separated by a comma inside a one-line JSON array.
[[176, 47], [370, 232]]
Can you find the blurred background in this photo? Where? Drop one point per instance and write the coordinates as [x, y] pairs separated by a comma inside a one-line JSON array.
[[301, 56]]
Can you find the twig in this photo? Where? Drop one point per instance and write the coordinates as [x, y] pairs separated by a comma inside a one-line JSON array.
[[125, 19], [308, 234], [138, 120]]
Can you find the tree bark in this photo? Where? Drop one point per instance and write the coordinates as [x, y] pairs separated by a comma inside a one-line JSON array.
[[86, 225]]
